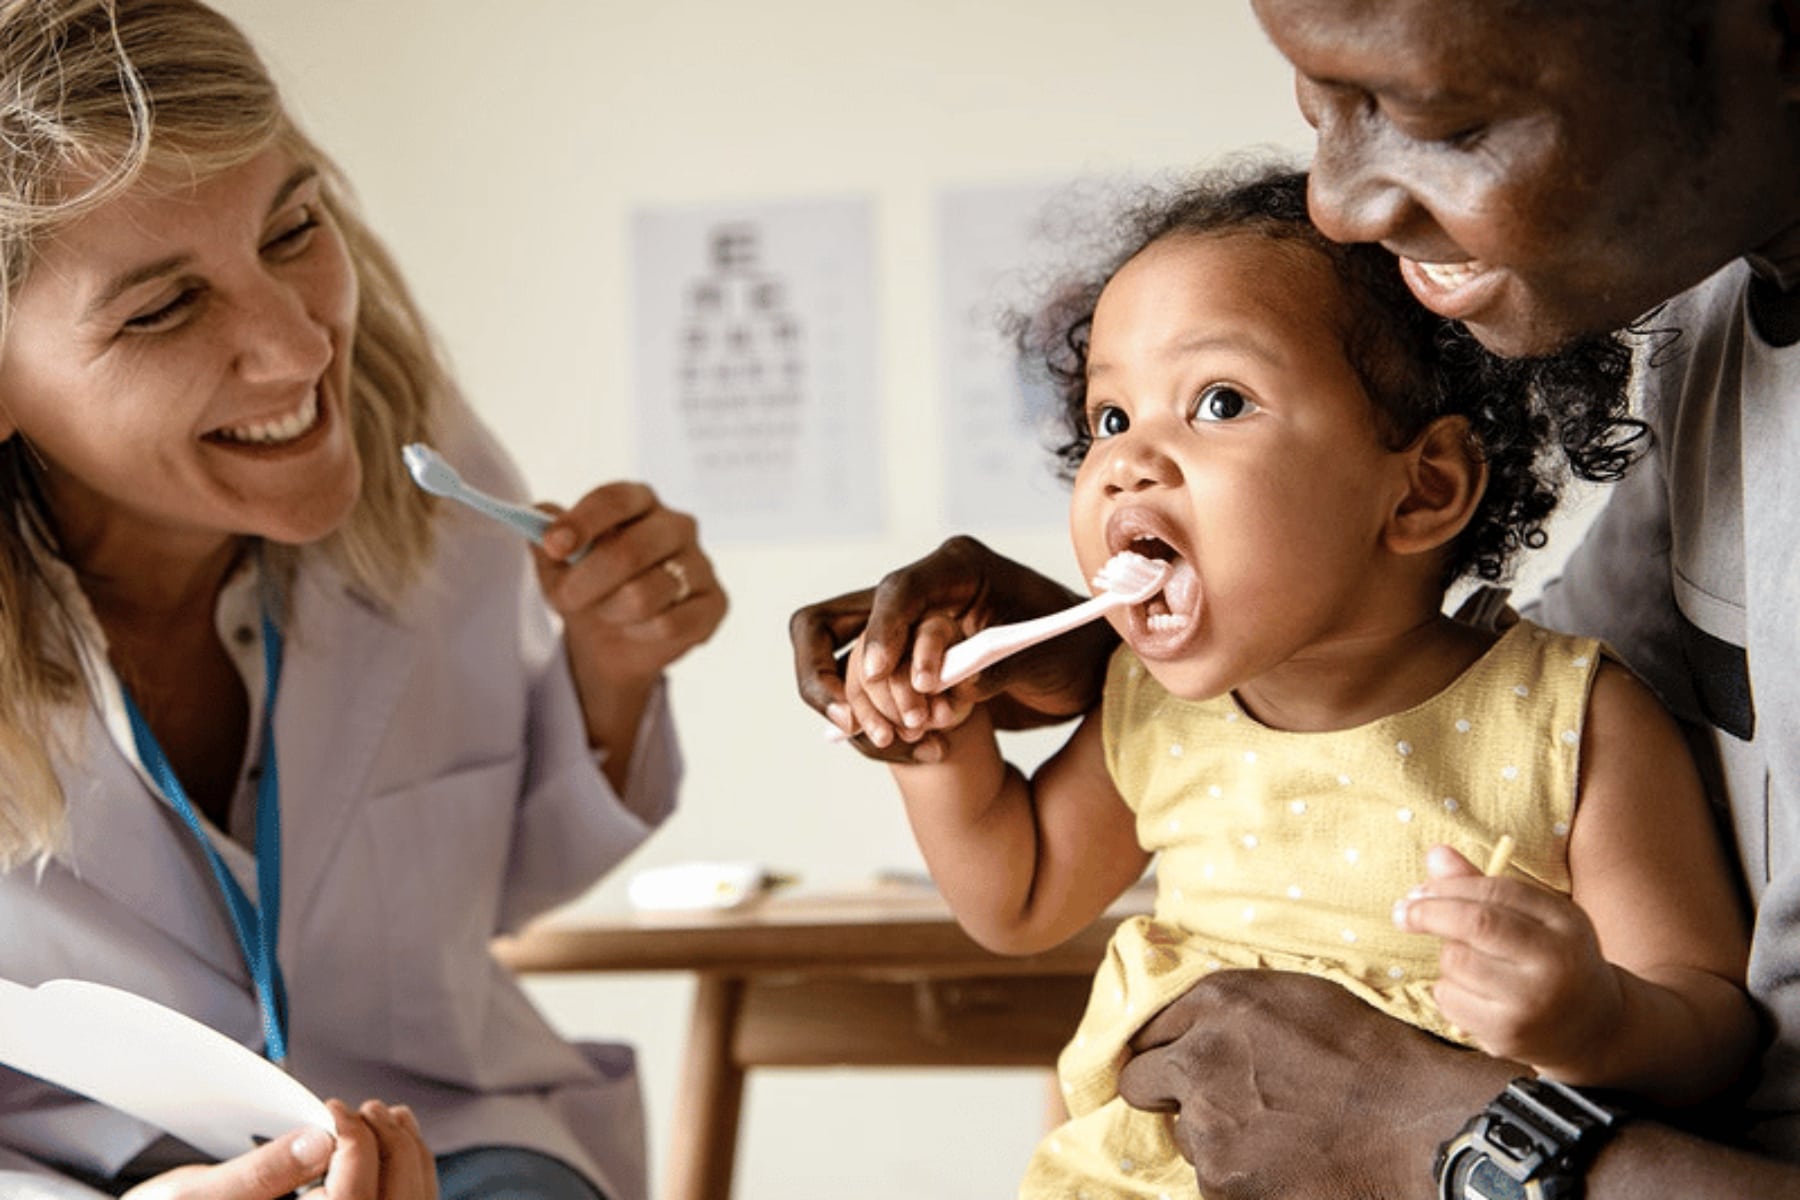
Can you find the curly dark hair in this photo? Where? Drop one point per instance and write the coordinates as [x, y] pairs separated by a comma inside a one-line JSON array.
[[1415, 365]]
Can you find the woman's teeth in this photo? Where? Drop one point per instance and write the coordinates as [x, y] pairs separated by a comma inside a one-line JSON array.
[[284, 429], [1166, 622]]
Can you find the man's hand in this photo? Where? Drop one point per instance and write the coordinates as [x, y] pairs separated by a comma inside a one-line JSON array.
[[1284, 1085], [916, 613]]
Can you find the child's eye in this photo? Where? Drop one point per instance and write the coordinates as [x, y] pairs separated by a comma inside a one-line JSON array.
[[1108, 420], [1222, 402]]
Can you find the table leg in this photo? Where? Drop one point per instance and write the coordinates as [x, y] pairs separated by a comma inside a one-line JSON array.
[[703, 1142]]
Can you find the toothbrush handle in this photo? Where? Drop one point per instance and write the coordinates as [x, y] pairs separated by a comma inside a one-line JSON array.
[[528, 521], [996, 642]]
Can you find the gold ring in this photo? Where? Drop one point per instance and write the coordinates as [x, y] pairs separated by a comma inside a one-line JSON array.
[[677, 572]]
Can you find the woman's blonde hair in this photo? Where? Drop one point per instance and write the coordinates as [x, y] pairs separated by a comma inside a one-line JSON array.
[[94, 94]]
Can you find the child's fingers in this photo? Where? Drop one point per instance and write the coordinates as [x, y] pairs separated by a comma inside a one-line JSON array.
[[934, 634], [355, 1172], [863, 699], [870, 721], [1478, 909], [1442, 862], [909, 707], [407, 1170], [1481, 920], [1487, 1018]]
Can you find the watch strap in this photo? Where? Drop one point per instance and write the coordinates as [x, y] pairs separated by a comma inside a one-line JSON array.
[[1539, 1132]]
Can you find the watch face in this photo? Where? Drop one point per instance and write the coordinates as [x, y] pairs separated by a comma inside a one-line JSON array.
[[1486, 1181]]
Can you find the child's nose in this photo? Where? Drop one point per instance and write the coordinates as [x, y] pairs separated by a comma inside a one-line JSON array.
[[1138, 464]]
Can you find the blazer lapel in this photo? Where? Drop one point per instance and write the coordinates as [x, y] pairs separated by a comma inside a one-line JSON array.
[[127, 843], [345, 668]]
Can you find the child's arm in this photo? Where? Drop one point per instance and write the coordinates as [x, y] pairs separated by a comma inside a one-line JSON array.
[[1024, 864], [1663, 1013]]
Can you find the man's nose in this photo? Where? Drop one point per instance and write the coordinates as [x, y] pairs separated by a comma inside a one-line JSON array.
[[1353, 191]]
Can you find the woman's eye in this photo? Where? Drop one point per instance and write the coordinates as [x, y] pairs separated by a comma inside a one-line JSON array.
[[1222, 402], [164, 316], [1108, 420], [295, 237]]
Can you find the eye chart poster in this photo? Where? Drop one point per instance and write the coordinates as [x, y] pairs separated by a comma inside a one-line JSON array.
[[756, 385], [1001, 249]]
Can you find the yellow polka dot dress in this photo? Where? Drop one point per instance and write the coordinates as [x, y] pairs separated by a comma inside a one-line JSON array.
[[1288, 850]]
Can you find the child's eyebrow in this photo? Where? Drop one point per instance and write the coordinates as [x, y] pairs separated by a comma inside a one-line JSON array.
[[1237, 341]]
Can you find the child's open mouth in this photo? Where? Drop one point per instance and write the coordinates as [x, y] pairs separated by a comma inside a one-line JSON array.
[[1171, 611]]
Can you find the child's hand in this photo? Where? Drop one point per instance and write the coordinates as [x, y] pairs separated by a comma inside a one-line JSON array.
[[891, 708], [1520, 968]]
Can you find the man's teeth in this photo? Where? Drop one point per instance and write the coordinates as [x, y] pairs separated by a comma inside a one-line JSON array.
[[281, 430], [1451, 275]]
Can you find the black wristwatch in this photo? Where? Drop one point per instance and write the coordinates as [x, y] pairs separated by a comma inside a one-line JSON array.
[[1533, 1142]]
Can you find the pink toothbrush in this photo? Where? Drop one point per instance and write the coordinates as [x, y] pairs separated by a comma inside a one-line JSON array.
[[1126, 578]]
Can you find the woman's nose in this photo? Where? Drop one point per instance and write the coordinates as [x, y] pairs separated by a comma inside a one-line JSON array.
[[279, 339]]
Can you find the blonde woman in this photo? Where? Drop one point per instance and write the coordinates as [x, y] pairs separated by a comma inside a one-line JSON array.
[[283, 746]]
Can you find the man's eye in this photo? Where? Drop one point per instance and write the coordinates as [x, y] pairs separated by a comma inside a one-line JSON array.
[[1108, 421], [1222, 402]]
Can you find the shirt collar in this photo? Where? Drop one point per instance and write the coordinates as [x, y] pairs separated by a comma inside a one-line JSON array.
[[237, 618]]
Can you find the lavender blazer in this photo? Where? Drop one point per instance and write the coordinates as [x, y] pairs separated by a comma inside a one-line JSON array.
[[437, 789]]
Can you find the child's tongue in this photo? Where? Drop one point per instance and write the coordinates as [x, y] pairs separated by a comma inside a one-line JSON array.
[[1181, 591]]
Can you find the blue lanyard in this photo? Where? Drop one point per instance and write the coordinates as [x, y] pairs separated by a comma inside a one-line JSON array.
[[257, 926]]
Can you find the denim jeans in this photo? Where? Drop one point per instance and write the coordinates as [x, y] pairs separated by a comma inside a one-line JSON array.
[[509, 1173]]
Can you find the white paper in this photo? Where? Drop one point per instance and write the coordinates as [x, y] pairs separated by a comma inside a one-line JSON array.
[[754, 342], [1000, 250], [154, 1063], [696, 885]]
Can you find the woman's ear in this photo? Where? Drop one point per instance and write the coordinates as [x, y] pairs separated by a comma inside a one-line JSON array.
[[1446, 476]]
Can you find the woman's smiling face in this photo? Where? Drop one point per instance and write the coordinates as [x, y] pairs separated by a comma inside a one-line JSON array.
[[1536, 180], [179, 361], [1232, 433]]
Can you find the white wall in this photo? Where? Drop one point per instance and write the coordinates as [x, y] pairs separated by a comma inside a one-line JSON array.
[[500, 148]]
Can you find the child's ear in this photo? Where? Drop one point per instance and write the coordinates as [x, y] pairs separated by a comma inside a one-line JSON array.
[[1446, 476]]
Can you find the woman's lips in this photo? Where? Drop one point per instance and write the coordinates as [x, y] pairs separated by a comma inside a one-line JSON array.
[[1452, 290], [275, 433], [276, 430]]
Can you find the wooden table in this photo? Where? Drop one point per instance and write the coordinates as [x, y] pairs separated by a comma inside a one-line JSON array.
[[880, 977]]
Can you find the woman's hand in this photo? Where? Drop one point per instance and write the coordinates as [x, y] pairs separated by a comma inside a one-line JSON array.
[[642, 595], [917, 612], [379, 1154]]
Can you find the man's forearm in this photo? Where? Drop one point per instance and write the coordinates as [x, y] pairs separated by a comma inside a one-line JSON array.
[[1646, 1160]]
